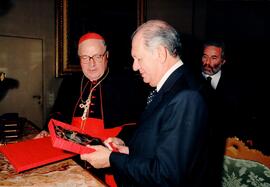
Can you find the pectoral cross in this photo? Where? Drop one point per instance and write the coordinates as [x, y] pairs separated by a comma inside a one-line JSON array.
[[86, 108]]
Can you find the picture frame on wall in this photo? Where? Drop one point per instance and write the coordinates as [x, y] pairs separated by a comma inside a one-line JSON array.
[[114, 20]]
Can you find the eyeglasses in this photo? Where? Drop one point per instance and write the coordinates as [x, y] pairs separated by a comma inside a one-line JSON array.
[[85, 59]]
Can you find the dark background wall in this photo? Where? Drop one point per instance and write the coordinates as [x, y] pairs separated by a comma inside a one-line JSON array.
[[243, 24]]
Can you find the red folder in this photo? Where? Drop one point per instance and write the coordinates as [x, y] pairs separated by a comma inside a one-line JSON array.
[[32, 153]]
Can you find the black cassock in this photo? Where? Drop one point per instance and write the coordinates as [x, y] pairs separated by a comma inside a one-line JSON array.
[[118, 99]]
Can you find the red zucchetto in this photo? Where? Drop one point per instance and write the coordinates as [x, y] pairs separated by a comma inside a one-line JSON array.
[[90, 35]]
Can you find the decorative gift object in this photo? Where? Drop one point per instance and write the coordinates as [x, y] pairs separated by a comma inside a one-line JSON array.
[[74, 139]]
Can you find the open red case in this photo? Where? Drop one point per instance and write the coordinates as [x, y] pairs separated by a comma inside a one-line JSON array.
[[74, 139]]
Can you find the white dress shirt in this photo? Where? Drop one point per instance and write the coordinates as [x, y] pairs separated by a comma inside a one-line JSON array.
[[215, 78]]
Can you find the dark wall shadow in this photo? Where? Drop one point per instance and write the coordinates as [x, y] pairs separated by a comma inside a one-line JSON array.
[[7, 84], [5, 6]]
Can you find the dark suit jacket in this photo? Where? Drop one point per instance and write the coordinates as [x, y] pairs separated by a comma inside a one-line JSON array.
[[230, 115], [231, 104], [168, 148]]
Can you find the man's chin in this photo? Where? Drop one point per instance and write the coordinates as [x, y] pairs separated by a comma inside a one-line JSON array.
[[208, 72], [145, 81], [94, 77]]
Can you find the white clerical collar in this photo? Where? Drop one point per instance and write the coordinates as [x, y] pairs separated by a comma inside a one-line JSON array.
[[168, 73]]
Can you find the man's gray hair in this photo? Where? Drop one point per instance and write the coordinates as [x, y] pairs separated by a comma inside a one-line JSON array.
[[157, 32]]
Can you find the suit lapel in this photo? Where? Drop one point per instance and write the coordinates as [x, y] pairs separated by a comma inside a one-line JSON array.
[[165, 91]]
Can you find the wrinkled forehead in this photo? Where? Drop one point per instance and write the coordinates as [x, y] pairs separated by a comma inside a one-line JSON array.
[[138, 42], [213, 50], [92, 44]]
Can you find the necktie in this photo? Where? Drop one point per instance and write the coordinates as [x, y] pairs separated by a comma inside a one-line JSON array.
[[208, 80], [151, 96]]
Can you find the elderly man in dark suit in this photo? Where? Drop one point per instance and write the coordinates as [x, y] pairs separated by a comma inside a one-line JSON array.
[[169, 146]]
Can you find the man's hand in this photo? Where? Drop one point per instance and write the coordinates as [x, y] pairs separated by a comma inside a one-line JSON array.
[[42, 134], [117, 144], [98, 158]]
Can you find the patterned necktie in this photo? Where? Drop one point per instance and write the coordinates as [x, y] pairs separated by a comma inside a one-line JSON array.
[[151, 96]]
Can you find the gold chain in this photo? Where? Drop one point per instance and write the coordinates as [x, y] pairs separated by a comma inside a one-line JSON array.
[[88, 101]]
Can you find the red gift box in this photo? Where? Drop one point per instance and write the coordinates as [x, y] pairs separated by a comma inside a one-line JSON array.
[[62, 141]]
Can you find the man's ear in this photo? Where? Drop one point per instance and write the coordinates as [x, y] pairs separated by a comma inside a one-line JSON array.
[[223, 61], [162, 53]]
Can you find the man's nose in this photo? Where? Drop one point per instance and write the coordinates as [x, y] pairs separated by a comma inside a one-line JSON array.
[[135, 66], [206, 61], [92, 63]]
